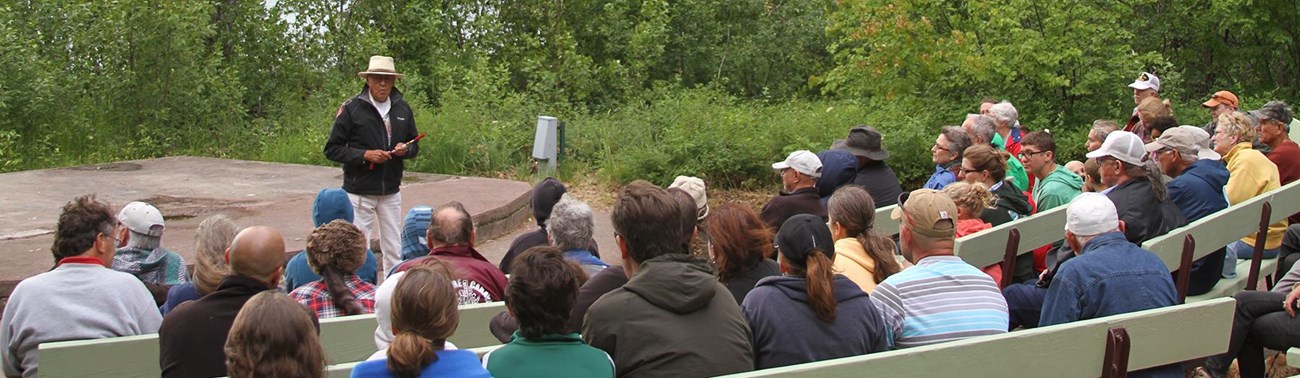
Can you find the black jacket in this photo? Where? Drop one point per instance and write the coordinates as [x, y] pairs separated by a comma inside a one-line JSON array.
[[786, 205], [359, 127], [192, 338], [1143, 215], [1011, 204], [880, 181]]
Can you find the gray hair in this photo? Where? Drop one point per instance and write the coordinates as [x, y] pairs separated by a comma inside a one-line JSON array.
[[142, 241], [450, 229], [957, 140], [1103, 128], [1188, 153], [1004, 112], [571, 224], [984, 127]]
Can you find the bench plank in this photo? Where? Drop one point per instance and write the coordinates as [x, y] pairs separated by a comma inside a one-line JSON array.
[[1212, 232], [344, 339], [127, 356], [1198, 329], [987, 247], [883, 223], [473, 332]]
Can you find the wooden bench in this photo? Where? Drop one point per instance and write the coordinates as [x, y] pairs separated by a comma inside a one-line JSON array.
[[883, 223], [1180, 247], [1006, 242], [345, 339], [1155, 338]]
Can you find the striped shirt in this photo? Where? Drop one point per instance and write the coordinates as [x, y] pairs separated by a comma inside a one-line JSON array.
[[940, 299]]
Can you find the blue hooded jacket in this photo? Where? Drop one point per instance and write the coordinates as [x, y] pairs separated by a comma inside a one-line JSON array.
[[414, 232], [331, 204], [838, 168], [1199, 190]]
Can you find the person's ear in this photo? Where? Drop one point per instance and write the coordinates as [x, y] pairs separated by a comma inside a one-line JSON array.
[[622, 247], [1122, 227], [277, 277], [473, 236], [228, 256], [1072, 240], [124, 237]]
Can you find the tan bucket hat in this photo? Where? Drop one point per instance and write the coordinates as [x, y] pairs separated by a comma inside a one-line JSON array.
[[380, 65]]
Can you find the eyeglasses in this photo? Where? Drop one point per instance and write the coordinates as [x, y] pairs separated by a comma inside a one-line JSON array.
[[112, 235], [1156, 154], [968, 171], [936, 146], [1028, 154]]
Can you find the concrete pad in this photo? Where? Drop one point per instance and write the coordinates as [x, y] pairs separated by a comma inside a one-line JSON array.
[[189, 189]]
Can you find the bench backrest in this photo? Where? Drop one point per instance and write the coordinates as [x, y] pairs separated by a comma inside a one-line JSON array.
[[345, 339], [129, 356], [987, 247], [1159, 337], [1211, 232], [1285, 201], [883, 223]]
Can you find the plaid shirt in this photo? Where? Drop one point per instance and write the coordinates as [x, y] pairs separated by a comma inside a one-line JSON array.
[[316, 296]]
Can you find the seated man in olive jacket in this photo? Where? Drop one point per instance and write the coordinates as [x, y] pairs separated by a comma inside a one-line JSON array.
[[672, 318]]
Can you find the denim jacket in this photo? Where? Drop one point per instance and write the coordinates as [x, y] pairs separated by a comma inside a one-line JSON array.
[[1111, 276]]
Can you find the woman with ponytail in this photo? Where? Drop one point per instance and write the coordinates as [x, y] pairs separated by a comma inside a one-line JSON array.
[[335, 251], [425, 313], [810, 313], [863, 255]]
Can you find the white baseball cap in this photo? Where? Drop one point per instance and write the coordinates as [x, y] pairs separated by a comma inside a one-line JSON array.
[[1122, 145], [142, 218], [801, 161], [1146, 81], [1091, 214]]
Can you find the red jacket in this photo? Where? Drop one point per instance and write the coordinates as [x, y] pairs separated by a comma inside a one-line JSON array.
[[477, 280]]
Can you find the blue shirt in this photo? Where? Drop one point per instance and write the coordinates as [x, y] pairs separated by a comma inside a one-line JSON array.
[[297, 272], [450, 363], [585, 259], [940, 299], [941, 178], [1111, 276]]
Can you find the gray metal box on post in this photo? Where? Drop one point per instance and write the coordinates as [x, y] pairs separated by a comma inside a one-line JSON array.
[[544, 144]]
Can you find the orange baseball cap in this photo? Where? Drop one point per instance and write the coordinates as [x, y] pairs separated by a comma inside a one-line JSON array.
[[1222, 97]]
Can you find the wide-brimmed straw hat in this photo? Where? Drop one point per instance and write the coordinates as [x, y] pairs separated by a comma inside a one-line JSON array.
[[380, 65]]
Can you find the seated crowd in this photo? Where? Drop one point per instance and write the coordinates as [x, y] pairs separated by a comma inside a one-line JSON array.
[[696, 290]]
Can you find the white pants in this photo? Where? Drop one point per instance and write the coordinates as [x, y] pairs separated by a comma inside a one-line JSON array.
[[389, 211]]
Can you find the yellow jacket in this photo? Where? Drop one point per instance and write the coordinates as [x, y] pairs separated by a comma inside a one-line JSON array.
[[852, 260], [1250, 174]]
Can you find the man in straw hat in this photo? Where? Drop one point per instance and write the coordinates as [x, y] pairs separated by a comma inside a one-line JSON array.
[[370, 136]]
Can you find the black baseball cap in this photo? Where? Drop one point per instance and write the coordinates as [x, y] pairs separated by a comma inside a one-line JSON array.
[[801, 234]]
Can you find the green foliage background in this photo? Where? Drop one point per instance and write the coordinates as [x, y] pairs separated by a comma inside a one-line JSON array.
[[647, 89]]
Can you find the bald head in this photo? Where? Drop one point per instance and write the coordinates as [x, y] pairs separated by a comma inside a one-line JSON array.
[[257, 252], [450, 225]]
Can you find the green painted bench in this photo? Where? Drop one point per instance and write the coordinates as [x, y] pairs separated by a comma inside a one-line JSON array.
[[345, 339], [1155, 338], [883, 223], [1178, 248], [1006, 242]]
